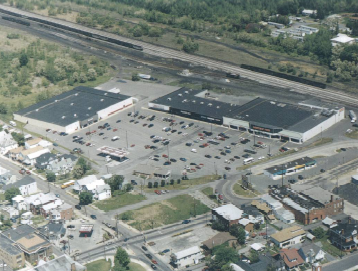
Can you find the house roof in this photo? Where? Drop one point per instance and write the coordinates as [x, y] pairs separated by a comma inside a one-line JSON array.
[[32, 242], [291, 257], [19, 232], [6, 139], [87, 180], [17, 150], [229, 212], [8, 246], [32, 150], [187, 252], [262, 206], [24, 181], [345, 229], [61, 263], [342, 38], [288, 233], [218, 239], [308, 246], [45, 158], [315, 192], [34, 141]]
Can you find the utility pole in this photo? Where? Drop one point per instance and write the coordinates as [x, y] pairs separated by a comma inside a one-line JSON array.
[[117, 226], [216, 171], [69, 247], [282, 174], [168, 151]]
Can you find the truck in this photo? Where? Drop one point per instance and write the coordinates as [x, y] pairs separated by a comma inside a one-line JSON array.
[[352, 115]]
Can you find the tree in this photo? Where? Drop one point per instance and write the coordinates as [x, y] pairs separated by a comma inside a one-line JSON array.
[[319, 233], [121, 258], [23, 59], [257, 226], [3, 109], [84, 165], [218, 226], [129, 187], [91, 74], [51, 177], [190, 47], [223, 255], [115, 182], [86, 198], [135, 77], [19, 138], [11, 192], [156, 184], [239, 232]]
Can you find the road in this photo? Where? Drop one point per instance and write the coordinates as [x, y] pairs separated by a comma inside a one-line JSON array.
[[346, 263], [327, 94]]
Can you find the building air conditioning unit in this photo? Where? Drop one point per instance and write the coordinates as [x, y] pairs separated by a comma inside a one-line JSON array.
[[169, 99], [72, 103], [102, 100], [89, 108], [63, 117], [75, 115], [76, 94], [180, 94]]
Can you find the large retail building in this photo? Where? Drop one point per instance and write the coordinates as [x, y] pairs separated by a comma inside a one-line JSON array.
[[266, 118], [73, 110]]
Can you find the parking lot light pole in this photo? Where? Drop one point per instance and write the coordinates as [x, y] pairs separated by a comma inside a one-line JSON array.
[[127, 139]]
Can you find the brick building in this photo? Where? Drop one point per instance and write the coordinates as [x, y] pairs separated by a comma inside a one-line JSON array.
[[227, 214], [10, 254], [308, 203], [345, 235]]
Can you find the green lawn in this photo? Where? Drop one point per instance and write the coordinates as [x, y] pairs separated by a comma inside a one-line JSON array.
[[2, 196], [164, 212], [242, 192], [328, 247], [99, 265], [184, 184], [118, 201], [135, 267], [353, 135]]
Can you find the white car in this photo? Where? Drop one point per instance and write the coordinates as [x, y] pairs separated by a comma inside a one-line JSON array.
[[261, 157], [227, 147], [193, 150]]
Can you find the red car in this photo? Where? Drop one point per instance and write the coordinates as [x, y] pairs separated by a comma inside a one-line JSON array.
[[115, 130], [164, 155], [88, 133], [88, 144], [154, 261], [158, 192]]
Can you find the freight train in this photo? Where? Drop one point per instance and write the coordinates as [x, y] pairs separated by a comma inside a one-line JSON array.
[[78, 30]]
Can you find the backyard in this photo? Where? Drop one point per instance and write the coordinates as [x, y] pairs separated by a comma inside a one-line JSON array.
[[163, 213]]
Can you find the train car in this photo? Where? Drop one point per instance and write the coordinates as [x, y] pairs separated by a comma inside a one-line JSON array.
[[15, 20]]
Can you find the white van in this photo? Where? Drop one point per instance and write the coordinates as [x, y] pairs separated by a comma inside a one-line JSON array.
[[12, 123], [248, 160], [193, 150], [115, 138]]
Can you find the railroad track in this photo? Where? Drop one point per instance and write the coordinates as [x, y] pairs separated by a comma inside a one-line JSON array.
[[155, 50]]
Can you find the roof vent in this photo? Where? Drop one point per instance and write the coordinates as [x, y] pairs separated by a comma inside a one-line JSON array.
[[36, 110], [210, 104], [180, 94], [194, 101], [76, 94], [218, 107], [102, 100], [89, 108], [105, 93], [56, 101], [186, 92], [72, 103], [63, 117], [201, 102], [169, 99], [272, 103], [75, 115]]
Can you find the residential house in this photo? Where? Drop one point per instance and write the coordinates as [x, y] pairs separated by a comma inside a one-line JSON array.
[[36, 202], [308, 12], [9, 212], [57, 164], [5, 175], [252, 213], [342, 39], [53, 231], [97, 187], [309, 30], [61, 263], [266, 261], [26, 218], [7, 142], [27, 185], [186, 257], [219, 239], [62, 212], [284, 215], [227, 214], [32, 244], [308, 203], [19, 203], [288, 237], [345, 235], [32, 143], [311, 253], [10, 254], [28, 156], [329, 222], [247, 224], [291, 257], [14, 154]]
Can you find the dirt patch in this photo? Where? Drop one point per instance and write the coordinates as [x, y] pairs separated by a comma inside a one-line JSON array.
[[171, 206], [148, 213]]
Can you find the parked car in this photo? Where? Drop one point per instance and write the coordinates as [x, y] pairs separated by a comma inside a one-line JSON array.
[[78, 207], [149, 256], [93, 216], [144, 248], [186, 221], [153, 267]]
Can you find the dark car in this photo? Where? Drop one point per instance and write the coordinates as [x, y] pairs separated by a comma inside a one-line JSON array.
[[182, 122], [207, 155], [167, 163], [217, 157], [173, 160], [71, 227], [193, 164], [182, 159], [343, 149], [101, 134], [78, 207], [153, 267], [131, 121], [150, 125], [173, 131], [300, 177], [186, 221], [118, 121], [165, 251], [156, 155], [322, 170], [237, 157], [93, 216], [156, 159], [70, 236], [246, 155], [134, 182], [227, 168], [144, 248], [149, 256]]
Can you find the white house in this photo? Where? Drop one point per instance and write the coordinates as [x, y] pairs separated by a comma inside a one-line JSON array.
[[97, 187], [308, 12], [26, 218], [5, 175], [7, 142], [311, 253], [342, 39], [9, 212], [186, 257], [29, 156], [32, 143], [26, 185], [19, 202], [288, 237]]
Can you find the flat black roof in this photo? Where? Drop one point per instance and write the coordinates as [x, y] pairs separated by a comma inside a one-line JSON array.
[[301, 161], [77, 104], [186, 99], [271, 114]]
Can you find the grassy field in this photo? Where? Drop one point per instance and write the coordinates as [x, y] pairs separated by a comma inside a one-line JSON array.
[[135, 267], [118, 201], [2, 196], [164, 212], [244, 193], [99, 265], [210, 193], [184, 184]]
